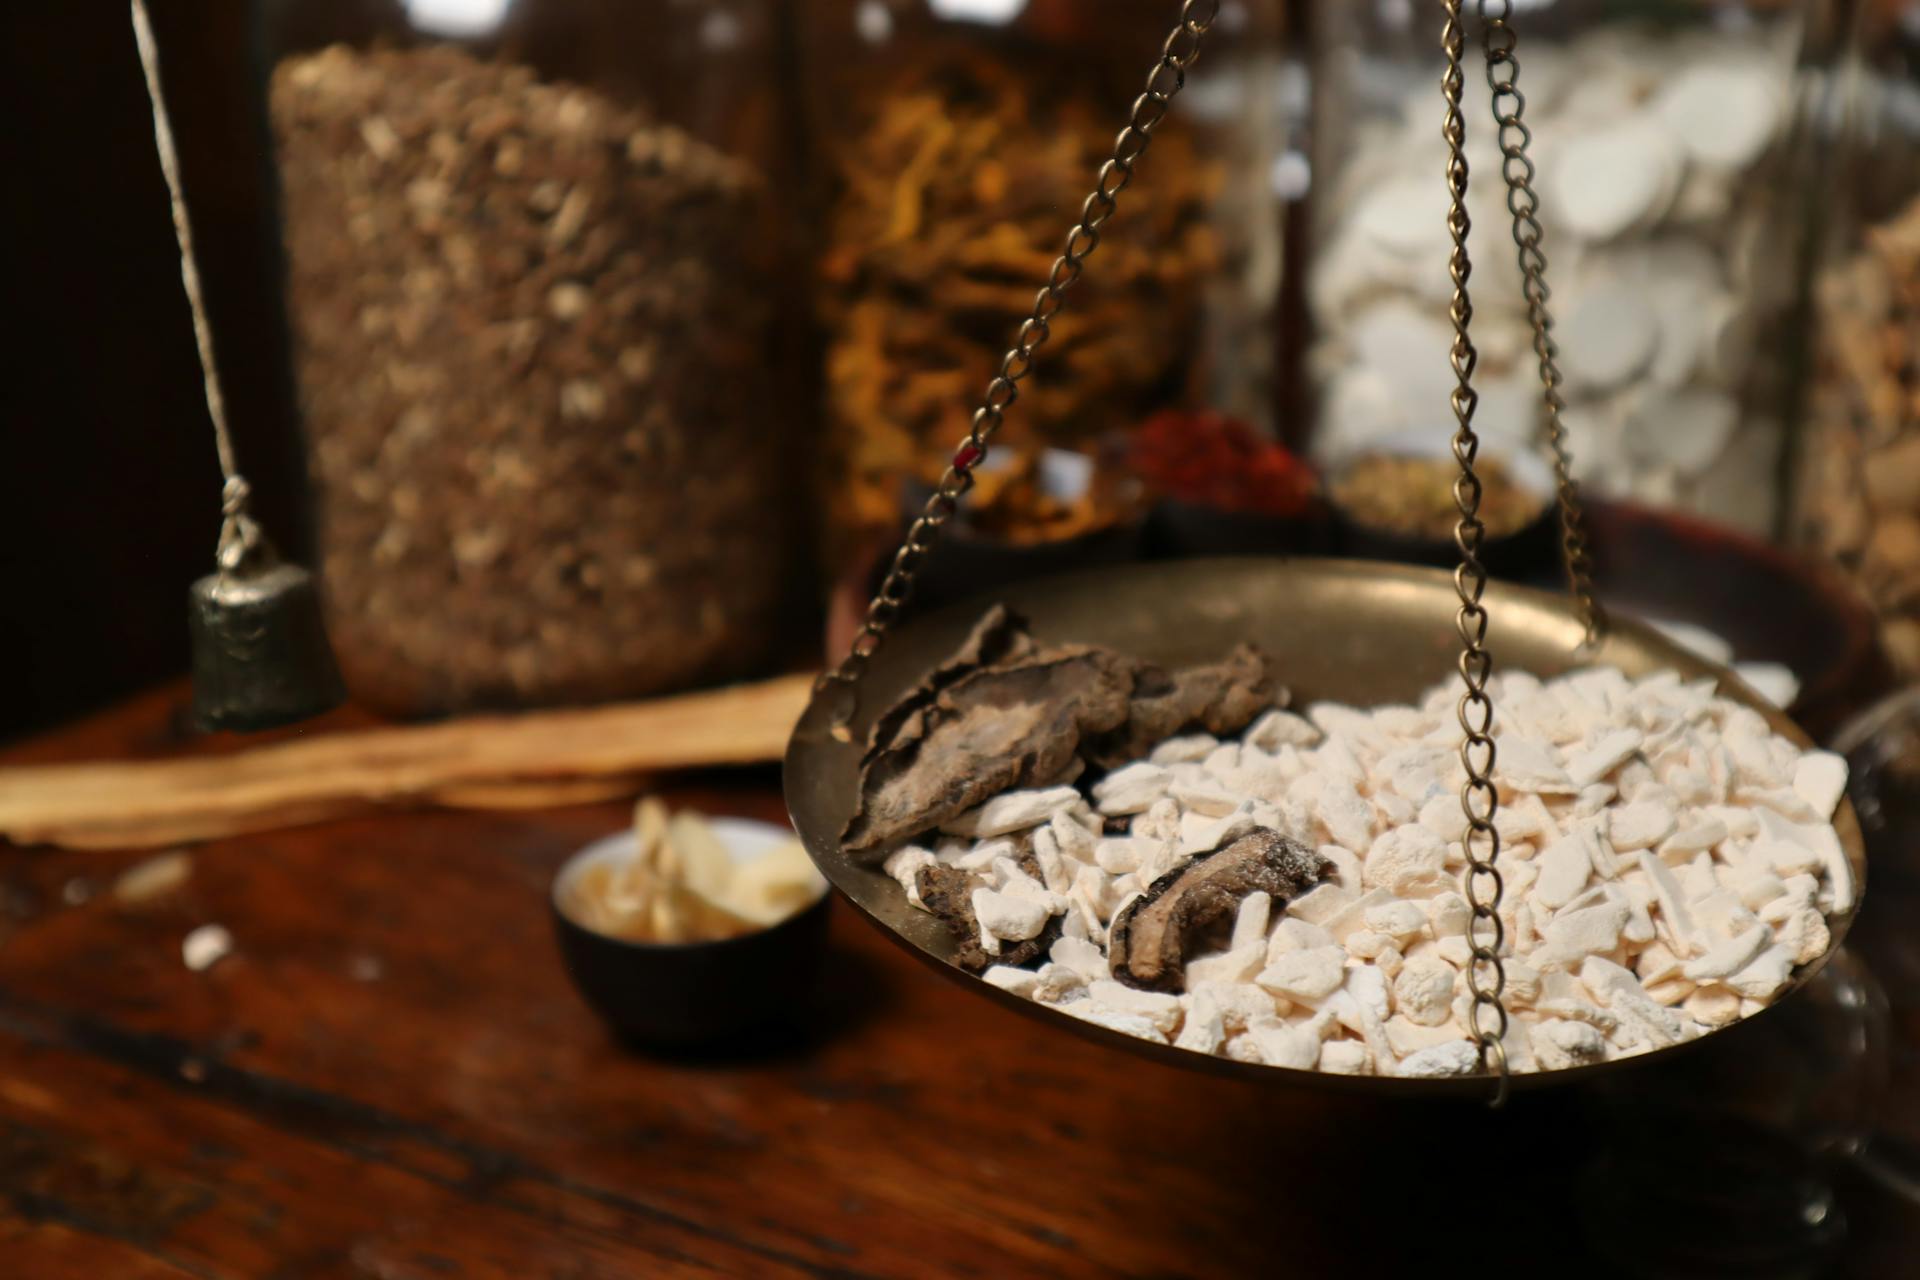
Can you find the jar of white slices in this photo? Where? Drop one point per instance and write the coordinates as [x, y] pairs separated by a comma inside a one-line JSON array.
[[1674, 181]]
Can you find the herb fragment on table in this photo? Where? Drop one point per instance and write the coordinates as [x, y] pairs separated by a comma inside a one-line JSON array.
[[153, 878]]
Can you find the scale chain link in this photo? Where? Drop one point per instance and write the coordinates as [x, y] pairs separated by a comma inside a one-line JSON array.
[[1169, 75], [1499, 40], [1486, 976]]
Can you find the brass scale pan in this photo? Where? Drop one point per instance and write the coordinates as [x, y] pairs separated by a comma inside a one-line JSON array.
[[1355, 632]]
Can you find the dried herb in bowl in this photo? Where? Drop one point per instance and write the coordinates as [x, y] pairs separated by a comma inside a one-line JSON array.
[[679, 883], [1413, 496], [1210, 460]]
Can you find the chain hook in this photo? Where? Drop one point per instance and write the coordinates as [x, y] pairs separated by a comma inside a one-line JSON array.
[[1499, 40]]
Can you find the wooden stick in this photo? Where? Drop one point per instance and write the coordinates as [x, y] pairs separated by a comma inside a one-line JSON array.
[[550, 757]]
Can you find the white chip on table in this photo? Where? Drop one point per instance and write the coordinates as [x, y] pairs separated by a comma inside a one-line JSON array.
[[205, 947]]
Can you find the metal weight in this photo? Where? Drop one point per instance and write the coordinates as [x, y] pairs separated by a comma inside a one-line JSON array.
[[260, 651]]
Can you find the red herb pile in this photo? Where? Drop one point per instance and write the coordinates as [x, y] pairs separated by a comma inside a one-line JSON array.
[[1212, 460]]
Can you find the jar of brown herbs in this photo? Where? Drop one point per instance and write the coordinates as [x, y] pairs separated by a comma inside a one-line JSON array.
[[532, 277], [954, 142], [1858, 482]]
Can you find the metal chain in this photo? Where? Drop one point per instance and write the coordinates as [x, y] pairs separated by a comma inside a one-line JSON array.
[[1486, 976], [1168, 77], [1499, 40]]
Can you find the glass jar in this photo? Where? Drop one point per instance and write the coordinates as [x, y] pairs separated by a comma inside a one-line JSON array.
[[1672, 165], [533, 269], [956, 141], [1858, 501]]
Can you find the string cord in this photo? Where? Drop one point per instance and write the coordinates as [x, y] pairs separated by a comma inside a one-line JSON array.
[[239, 535]]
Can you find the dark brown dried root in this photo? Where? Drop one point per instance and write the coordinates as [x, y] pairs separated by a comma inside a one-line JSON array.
[[1007, 711], [1219, 698], [999, 637], [1192, 907], [948, 893], [970, 731]]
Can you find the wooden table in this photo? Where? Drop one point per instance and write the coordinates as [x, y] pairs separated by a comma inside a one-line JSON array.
[[390, 1077]]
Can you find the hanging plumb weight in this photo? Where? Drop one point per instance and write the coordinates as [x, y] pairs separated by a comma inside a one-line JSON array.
[[260, 653]]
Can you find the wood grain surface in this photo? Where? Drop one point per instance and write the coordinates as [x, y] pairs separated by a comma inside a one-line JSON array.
[[390, 1077]]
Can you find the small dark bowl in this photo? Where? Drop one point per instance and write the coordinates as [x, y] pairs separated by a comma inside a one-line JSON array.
[[1769, 603], [682, 995], [966, 560], [1517, 555], [1177, 529]]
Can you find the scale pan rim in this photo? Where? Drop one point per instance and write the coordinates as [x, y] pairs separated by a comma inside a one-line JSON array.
[[1385, 624]]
